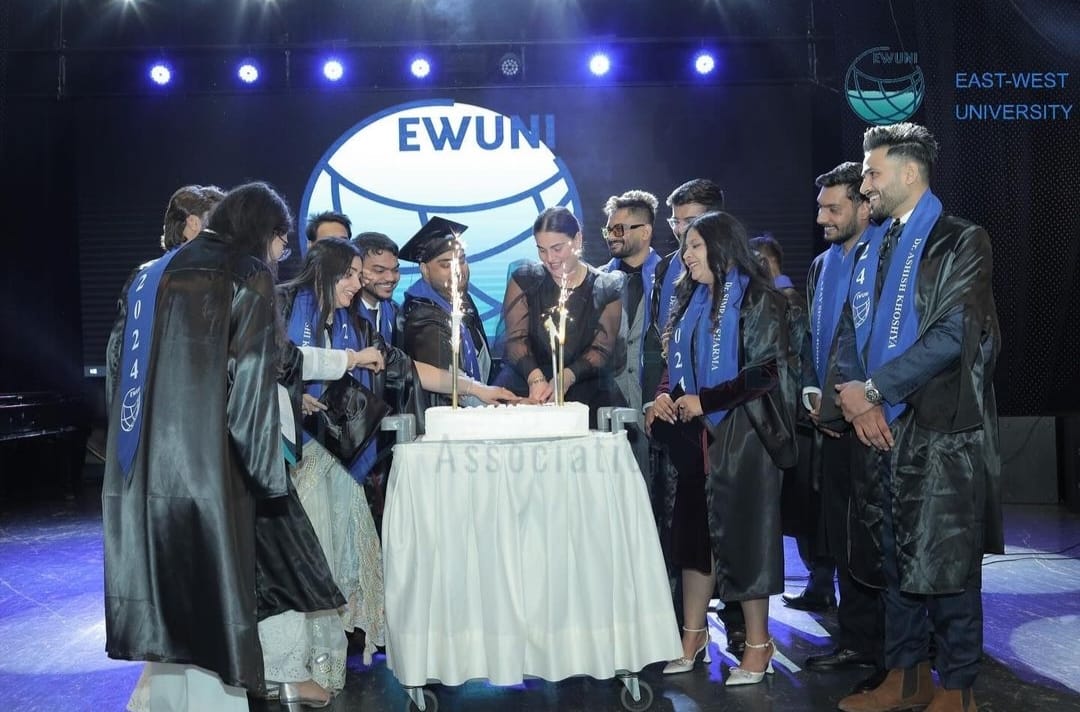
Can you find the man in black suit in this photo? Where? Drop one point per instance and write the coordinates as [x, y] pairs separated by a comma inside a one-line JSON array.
[[916, 350]]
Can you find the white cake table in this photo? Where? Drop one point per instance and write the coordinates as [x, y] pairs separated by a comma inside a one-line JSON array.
[[513, 559]]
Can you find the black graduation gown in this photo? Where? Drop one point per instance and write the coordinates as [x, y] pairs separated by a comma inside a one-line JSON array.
[[945, 464], [747, 450], [397, 385], [180, 551], [426, 337]]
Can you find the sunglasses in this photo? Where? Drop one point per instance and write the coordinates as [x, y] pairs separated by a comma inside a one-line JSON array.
[[618, 229]]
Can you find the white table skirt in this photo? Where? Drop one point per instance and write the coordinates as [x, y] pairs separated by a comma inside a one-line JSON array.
[[522, 558]]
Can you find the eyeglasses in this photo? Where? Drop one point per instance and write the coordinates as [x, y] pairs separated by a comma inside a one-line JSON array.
[[677, 223], [286, 250], [618, 229]]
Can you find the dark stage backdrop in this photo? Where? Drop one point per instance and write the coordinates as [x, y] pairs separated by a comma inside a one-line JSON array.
[[1002, 96], [86, 175], [132, 153]]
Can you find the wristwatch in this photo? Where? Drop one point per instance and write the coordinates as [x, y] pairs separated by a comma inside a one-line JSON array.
[[873, 395]]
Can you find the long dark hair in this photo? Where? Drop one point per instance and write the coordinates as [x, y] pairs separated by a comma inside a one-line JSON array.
[[327, 261], [249, 217], [726, 244]]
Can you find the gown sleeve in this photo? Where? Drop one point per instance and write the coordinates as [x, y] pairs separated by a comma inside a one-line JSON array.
[[596, 354]]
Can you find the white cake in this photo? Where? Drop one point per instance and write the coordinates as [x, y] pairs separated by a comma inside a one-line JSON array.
[[506, 422]]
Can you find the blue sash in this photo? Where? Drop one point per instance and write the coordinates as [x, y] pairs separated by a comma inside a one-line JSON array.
[[692, 365], [894, 324], [138, 332], [420, 289], [385, 325], [667, 291], [305, 330], [830, 293], [648, 276], [783, 282]]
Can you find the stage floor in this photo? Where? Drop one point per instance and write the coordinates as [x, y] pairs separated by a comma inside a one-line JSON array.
[[52, 633]]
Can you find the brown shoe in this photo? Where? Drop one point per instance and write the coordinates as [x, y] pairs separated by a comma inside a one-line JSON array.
[[953, 701], [903, 689]]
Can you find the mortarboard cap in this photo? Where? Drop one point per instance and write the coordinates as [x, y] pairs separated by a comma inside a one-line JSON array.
[[433, 239]]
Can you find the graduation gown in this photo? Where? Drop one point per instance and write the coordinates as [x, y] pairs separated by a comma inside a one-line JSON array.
[[946, 464], [747, 450], [180, 549], [426, 336], [397, 385]]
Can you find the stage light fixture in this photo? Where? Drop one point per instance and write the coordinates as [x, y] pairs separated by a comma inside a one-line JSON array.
[[704, 63], [420, 67], [599, 64], [333, 70], [160, 74], [510, 65], [248, 72]]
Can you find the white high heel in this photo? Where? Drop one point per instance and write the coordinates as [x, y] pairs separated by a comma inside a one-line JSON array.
[[686, 664], [739, 676]]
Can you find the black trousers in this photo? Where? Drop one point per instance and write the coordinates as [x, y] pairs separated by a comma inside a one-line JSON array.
[[957, 618], [860, 612]]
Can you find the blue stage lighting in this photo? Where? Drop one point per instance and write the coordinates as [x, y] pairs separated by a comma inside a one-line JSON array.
[[420, 67], [704, 63], [599, 64], [160, 74], [333, 70], [248, 72]]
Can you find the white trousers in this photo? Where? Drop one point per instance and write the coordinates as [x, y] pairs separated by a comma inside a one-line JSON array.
[[187, 688]]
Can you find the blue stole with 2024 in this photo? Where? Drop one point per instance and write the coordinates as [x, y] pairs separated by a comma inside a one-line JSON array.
[[648, 274], [887, 329], [134, 362], [305, 329], [667, 290], [830, 293], [701, 356], [470, 363], [385, 324]]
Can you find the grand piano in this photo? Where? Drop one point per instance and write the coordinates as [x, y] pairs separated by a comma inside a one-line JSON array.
[[42, 443]]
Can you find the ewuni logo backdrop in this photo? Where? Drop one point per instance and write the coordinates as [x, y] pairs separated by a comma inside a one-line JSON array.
[[494, 173]]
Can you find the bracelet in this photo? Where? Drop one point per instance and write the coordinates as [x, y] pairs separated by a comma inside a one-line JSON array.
[[537, 379]]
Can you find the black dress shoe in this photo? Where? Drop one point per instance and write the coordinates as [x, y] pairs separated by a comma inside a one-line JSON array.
[[802, 602], [839, 659], [736, 637], [870, 683]]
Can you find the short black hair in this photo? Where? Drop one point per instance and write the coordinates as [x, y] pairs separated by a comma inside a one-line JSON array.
[[848, 174], [638, 201], [907, 140], [699, 190], [314, 221], [374, 242], [768, 246]]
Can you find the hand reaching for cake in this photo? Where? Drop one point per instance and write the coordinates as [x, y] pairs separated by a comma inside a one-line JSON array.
[[494, 394], [370, 358]]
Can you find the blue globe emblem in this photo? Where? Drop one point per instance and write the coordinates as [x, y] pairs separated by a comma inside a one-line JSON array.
[[394, 170], [883, 100], [860, 307], [129, 409]]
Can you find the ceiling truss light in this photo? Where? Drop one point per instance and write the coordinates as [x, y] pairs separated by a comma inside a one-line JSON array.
[[599, 64]]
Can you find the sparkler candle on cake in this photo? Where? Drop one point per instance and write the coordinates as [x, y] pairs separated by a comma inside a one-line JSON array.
[[455, 322]]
